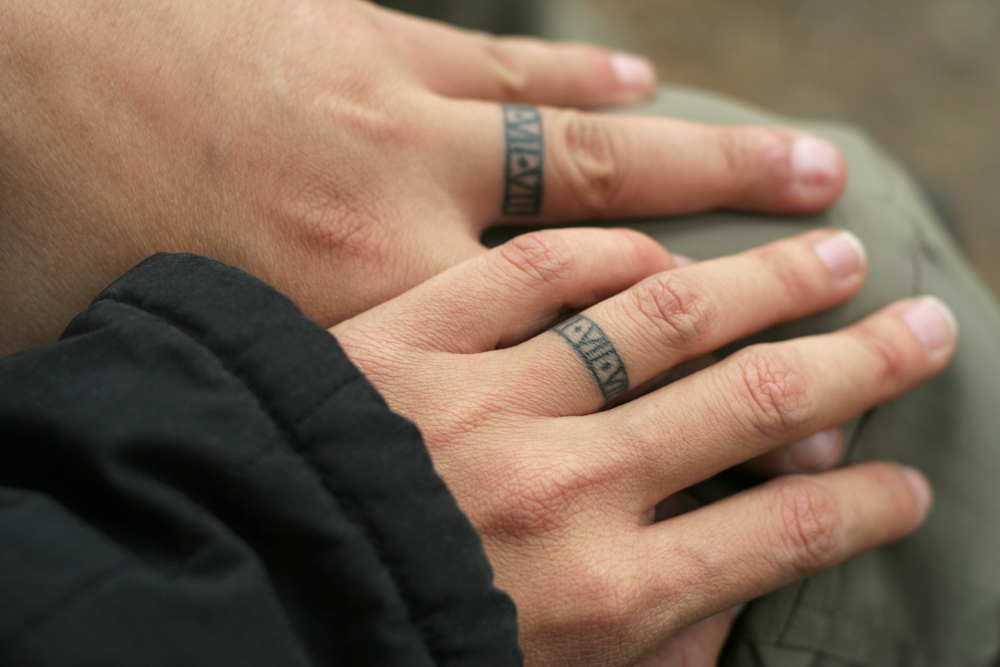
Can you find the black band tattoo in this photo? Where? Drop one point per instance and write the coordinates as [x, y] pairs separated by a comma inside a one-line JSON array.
[[598, 352], [524, 183]]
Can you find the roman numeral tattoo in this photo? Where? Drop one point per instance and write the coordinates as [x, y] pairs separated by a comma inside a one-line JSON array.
[[524, 182], [597, 351]]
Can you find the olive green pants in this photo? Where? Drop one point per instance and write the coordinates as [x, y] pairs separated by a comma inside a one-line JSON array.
[[934, 598]]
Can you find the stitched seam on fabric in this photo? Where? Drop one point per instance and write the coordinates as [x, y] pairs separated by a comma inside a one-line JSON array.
[[290, 440], [875, 629], [859, 432], [915, 289], [329, 396], [799, 603], [287, 429], [796, 605], [188, 331], [357, 517], [817, 652], [918, 261]]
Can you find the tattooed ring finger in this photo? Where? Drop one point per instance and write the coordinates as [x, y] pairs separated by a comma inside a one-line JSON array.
[[684, 314], [524, 172], [548, 164]]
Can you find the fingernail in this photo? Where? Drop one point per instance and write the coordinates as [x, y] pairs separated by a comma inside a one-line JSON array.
[[632, 72], [843, 253], [933, 323], [682, 261], [920, 487], [815, 453], [815, 161]]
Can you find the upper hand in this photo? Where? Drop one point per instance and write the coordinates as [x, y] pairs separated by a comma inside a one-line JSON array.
[[339, 151], [562, 492]]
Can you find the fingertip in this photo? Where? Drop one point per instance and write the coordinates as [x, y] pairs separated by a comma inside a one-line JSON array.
[[842, 253], [818, 452], [634, 75], [680, 261], [894, 499], [923, 494], [819, 170], [777, 170], [933, 324], [815, 161]]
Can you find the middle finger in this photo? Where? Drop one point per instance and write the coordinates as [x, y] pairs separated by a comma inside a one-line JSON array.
[[769, 395]]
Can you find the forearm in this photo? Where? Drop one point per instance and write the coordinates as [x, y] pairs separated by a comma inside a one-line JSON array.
[[90, 170]]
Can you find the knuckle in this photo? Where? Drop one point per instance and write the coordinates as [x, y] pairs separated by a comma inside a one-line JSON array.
[[811, 523], [599, 598], [589, 156], [609, 601], [539, 258], [529, 499], [681, 315], [733, 149], [890, 361], [795, 286], [752, 158], [308, 208], [777, 396], [753, 147]]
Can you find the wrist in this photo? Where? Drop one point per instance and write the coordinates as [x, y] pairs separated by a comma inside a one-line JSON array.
[[93, 170]]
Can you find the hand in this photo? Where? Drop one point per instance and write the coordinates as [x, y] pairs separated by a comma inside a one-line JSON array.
[[563, 492], [339, 151]]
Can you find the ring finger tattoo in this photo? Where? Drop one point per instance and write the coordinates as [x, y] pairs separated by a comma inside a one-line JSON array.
[[597, 351], [524, 183]]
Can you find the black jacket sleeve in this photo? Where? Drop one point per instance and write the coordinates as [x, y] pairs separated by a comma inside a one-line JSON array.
[[195, 474]]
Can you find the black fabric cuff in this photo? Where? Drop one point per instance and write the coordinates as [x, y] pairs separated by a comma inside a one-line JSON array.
[[226, 412]]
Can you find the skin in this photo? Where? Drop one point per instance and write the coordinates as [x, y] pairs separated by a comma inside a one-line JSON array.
[[563, 492], [341, 152], [346, 154]]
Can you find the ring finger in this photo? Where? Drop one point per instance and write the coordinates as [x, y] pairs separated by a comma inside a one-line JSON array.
[[523, 163], [683, 314]]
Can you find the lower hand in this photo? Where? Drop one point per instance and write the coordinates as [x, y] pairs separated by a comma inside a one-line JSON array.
[[563, 492]]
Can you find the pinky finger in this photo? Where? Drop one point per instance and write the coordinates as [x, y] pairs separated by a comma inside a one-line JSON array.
[[793, 527], [820, 451], [469, 65]]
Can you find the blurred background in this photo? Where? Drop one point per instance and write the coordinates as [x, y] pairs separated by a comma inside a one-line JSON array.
[[921, 76]]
